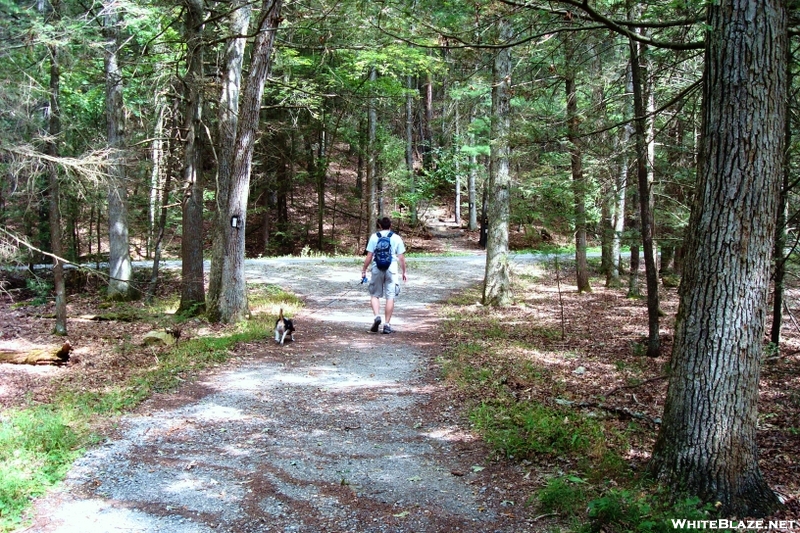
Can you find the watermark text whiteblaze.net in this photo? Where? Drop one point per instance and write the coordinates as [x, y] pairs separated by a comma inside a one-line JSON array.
[[744, 525]]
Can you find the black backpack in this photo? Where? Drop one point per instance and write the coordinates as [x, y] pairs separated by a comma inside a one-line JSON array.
[[383, 251]]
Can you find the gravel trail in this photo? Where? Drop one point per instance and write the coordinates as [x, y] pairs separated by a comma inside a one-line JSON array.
[[340, 431]]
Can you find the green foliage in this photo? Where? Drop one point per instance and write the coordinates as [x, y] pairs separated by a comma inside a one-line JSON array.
[[41, 288], [625, 511], [563, 495], [526, 429], [37, 445]]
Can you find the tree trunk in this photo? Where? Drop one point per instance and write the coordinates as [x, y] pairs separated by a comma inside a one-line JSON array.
[[362, 146], [233, 305], [427, 124], [156, 176], [578, 181], [60, 327], [457, 203], [162, 220], [227, 116], [633, 225], [645, 182], [779, 252], [618, 223], [321, 173], [284, 177], [119, 259], [472, 179], [372, 182], [410, 149], [192, 284], [707, 442], [497, 282]]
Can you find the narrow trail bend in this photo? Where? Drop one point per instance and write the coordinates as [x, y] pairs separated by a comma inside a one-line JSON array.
[[340, 431]]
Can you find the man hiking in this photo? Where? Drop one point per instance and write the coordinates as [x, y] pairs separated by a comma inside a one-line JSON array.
[[385, 250]]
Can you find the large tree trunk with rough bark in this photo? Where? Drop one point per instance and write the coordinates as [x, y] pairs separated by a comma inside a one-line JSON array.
[[228, 116], [233, 305], [707, 443], [119, 259], [193, 294], [497, 281]]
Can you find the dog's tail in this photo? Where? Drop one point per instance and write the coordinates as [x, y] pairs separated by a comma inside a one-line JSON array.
[[280, 314]]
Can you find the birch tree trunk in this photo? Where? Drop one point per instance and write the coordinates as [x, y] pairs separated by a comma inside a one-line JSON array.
[[192, 283], [497, 282], [156, 174], [472, 179], [707, 442], [119, 259], [618, 224], [228, 117], [170, 164], [233, 306], [457, 206]]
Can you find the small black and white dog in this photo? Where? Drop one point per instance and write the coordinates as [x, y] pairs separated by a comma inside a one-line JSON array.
[[284, 328]]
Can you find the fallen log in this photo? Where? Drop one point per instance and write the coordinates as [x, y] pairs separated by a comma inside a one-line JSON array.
[[58, 355]]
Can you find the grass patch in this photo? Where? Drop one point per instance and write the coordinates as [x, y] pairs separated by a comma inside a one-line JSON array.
[[564, 495], [526, 429], [639, 509], [38, 444], [268, 298], [642, 511]]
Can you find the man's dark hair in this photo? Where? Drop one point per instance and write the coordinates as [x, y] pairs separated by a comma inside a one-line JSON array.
[[385, 223]]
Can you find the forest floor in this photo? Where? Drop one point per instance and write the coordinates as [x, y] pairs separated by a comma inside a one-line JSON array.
[[345, 430]]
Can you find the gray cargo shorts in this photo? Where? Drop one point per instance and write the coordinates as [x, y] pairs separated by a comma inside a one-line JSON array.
[[382, 285]]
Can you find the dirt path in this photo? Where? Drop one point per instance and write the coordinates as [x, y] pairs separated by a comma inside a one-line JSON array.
[[341, 431]]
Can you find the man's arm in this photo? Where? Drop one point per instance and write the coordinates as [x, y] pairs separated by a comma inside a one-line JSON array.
[[402, 259], [367, 261]]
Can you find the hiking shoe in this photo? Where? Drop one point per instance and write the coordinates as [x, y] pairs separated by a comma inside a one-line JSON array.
[[375, 325], [387, 329]]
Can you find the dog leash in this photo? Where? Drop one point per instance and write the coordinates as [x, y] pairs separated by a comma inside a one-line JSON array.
[[337, 296]]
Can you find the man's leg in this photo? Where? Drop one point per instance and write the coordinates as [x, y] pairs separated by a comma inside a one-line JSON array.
[[389, 309], [375, 292], [376, 307], [375, 302]]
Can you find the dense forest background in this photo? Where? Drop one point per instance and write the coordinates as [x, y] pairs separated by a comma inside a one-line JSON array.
[[202, 129], [394, 94]]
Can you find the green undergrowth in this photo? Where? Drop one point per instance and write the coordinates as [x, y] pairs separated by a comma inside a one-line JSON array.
[[37, 446], [511, 371], [640, 508], [39, 443]]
